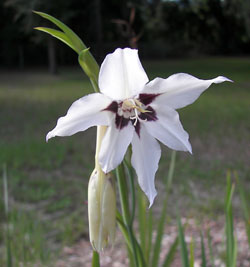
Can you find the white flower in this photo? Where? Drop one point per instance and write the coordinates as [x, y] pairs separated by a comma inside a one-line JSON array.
[[136, 111]]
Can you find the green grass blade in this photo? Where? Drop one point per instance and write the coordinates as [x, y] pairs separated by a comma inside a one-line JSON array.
[[123, 230], [160, 231], [191, 253], [203, 252], [8, 249], [5, 191], [211, 254], [160, 228], [171, 253], [184, 252], [76, 41], [245, 209], [171, 172], [142, 211], [231, 250], [6, 209], [59, 35], [149, 235], [131, 185]]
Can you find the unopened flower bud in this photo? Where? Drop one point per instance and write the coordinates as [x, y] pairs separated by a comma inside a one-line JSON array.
[[101, 210]]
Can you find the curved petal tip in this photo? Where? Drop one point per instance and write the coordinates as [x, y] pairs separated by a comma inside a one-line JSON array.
[[49, 136], [221, 79], [151, 200]]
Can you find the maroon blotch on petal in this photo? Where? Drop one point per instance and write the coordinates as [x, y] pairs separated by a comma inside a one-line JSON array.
[[113, 107], [149, 116], [137, 128], [146, 99], [120, 122]]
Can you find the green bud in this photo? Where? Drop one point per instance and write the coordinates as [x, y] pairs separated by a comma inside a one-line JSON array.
[[101, 210]]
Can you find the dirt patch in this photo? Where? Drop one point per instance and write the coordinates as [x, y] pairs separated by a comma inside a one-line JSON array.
[[80, 254]]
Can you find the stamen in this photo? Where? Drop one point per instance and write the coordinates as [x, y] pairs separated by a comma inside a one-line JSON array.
[[136, 106]]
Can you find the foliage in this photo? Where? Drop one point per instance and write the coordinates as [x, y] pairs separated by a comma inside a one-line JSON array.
[[166, 28]]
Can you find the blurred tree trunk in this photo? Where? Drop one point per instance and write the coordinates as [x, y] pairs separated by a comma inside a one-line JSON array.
[[52, 56]]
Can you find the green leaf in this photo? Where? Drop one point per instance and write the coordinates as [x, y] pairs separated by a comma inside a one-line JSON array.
[[90, 67], [191, 258], [245, 209], [231, 243], [75, 40], [211, 254], [57, 34], [142, 206], [149, 234], [203, 252], [171, 253], [160, 228], [184, 252], [171, 172]]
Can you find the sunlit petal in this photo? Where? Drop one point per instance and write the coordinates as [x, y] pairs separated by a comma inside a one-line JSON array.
[[179, 90], [83, 113], [145, 159], [122, 75]]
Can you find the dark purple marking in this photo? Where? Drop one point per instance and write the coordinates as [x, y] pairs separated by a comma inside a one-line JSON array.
[[137, 128], [121, 122], [113, 107], [146, 99], [149, 116]]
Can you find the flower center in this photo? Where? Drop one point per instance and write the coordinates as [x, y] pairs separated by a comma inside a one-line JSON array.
[[131, 108]]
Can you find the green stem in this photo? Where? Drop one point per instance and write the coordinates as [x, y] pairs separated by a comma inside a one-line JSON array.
[[123, 192], [95, 259], [132, 188]]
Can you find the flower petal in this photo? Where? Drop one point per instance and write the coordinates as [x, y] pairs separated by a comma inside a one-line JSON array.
[[145, 159], [83, 113], [168, 129], [179, 90], [121, 74], [114, 146]]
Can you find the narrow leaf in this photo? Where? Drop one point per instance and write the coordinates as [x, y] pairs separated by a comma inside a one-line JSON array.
[[76, 41], [184, 252], [160, 228], [160, 231], [191, 253], [59, 35], [149, 234], [231, 251], [203, 252], [90, 67], [5, 191], [171, 253], [211, 254], [142, 206], [245, 209]]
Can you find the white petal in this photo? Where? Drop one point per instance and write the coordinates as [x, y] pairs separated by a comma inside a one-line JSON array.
[[179, 90], [168, 129], [121, 74], [83, 113], [145, 159], [114, 146]]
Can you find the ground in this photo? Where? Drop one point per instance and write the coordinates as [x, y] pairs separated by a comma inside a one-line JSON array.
[[47, 182]]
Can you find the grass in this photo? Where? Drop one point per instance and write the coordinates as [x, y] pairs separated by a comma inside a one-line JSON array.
[[48, 182]]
